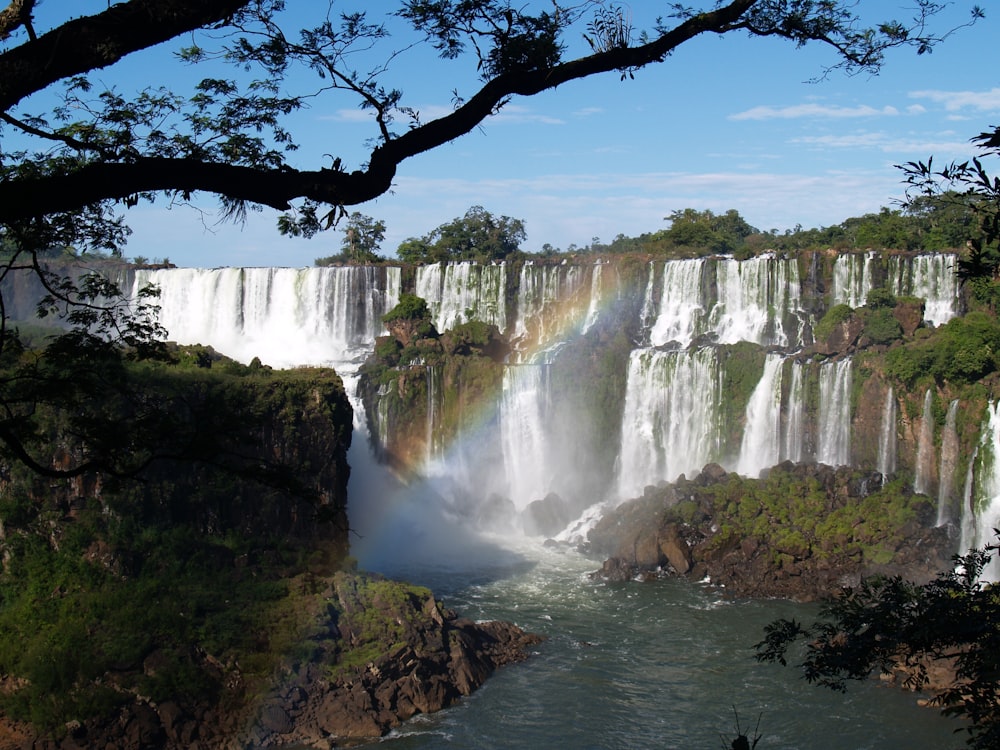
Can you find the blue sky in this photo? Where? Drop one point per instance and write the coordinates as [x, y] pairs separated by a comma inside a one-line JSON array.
[[724, 123]]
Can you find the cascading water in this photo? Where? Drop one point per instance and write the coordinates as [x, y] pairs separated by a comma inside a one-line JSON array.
[[949, 458], [833, 445], [931, 277], [522, 426], [852, 278], [285, 316], [680, 306], [761, 446], [670, 424], [730, 300], [981, 509], [887, 437], [793, 442], [925, 448], [461, 292]]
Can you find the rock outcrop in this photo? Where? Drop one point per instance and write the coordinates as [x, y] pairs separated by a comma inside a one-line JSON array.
[[826, 528]]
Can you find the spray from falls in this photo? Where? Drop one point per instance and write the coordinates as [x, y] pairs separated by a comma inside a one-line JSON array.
[[981, 509]]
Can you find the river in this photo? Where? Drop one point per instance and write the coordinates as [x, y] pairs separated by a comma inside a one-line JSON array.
[[659, 664]]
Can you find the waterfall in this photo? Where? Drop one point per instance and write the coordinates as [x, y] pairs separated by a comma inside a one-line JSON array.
[[670, 423], [460, 292], [931, 277], [286, 316], [949, 457], [434, 443], [680, 306], [852, 278], [594, 306], [750, 301], [552, 305], [833, 446], [753, 295], [925, 448], [523, 408], [981, 510], [794, 435], [887, 437], [762, 433]]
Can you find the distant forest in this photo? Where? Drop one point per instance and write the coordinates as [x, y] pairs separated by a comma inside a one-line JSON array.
[[927, 223]]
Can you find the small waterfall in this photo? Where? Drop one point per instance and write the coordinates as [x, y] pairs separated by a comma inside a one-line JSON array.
[[594, 307], [794, 436], [680, 307], [925, 448], [852, 278], [552, 303], [670, 423], [435, 448], [753, 296], [459, 292], [762, 433], [523, 408], [981, 511], [887, 437], [949, 457], [931, 277], [833, 445]]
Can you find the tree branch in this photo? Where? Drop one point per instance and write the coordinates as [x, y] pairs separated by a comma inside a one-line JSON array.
[[91, 42]]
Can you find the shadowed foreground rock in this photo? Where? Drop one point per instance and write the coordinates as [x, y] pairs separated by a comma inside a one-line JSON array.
[[377, 652]]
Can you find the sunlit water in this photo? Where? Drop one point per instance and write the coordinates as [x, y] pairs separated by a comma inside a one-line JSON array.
[[643, 665]]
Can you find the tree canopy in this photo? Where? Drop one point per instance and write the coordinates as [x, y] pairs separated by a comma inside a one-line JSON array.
[[97, 148], [888, 622], [478, 235]]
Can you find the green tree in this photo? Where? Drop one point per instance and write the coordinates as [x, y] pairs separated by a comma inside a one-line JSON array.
[[363, 237], [704, 230], [887, 621], [967, 187], [229, 135], [478, 235]]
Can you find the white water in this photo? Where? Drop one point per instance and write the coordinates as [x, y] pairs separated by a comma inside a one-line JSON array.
[[925, 448], [461, 292], [794, 441], [981, 509], [852, 278], [761, 445], [931, 277], [949, 457], [887, 437], [680, 307], [625, 666], [833, 444], [670, 419], [523, 406]]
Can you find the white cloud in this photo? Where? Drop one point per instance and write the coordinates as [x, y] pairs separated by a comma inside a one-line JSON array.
[[953, 101], [794, 111]]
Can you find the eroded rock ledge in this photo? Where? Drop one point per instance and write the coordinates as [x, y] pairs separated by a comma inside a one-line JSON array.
[[375, 653], [801, 531]]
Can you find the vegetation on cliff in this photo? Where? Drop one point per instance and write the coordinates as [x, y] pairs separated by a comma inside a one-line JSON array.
[[160, 582]]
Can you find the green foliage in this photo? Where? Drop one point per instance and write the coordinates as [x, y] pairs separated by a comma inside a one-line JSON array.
[[881, 326], [363, 236], [887, 620], [830, 320], [963, 350], [724, 233], [478, 236], [410, 307], [880, 297], [160, 566]]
